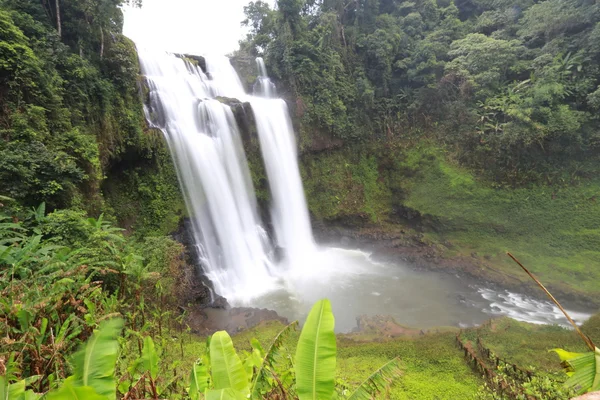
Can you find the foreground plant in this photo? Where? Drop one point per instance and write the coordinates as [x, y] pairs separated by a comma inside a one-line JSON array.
[[219, 374], [583, 369], [314, 366]]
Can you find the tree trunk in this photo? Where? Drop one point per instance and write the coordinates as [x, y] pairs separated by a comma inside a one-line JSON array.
[[47, 9], [58, 23], [101, 43]]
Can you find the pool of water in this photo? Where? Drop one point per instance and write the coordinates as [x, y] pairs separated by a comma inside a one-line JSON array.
[[358, 285]]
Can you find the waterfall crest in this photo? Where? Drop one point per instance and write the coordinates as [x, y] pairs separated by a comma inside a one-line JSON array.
[[206, 147]]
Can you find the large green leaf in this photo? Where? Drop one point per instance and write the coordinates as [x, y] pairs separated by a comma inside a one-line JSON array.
[[149, 359], [224, 394], [582, 368], [3, 388], [69, 390], [198, 380], [315, 354], [95, 363], [378, 382], [17, 390], [227, 369]]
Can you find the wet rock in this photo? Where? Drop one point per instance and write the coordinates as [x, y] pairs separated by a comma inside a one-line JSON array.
[[197, 60], [244, 117], [194, 286], [383, 325], [278, 254], [208, 320]]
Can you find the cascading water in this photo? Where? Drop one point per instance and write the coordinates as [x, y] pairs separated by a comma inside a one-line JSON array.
[[278, 146], [206, 147], [263, 86], [213, 171]]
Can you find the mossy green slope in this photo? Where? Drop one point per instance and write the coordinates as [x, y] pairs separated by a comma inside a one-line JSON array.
[[554, 230]]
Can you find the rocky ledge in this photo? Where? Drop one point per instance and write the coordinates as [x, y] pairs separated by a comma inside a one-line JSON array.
[[207, 320]]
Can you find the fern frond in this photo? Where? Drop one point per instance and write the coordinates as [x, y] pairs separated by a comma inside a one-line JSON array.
[[379, 381], [270, 356]]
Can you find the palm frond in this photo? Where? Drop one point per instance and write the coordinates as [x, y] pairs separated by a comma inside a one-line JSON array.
[[270, 356], [378, 382]]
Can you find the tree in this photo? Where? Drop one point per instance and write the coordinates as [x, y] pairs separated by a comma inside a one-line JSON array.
[[487, 60]]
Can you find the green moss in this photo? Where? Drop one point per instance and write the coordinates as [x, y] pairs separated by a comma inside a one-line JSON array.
[[376, 195], [144, 195], [258, 174], [347, 183], [553, 230], [432, 366]]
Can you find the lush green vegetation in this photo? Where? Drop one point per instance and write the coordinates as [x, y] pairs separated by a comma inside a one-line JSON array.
[[64, 274], [478, 118], [511, 88], [72, 114]]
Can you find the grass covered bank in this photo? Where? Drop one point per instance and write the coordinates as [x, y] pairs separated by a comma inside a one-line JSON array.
[[433, 367], [554, 230]]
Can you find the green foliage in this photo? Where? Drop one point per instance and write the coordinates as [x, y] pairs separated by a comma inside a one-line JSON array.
[[378, 382], [227, 371], [145, 197], [485, 59], [198, 380], [315, 354], [53, 297], [581, 368], [70, 106], [314, 365], [512, 88], [348, 183], [94, 364]]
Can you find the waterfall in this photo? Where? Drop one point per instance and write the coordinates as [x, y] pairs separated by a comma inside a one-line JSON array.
[[289, 211], [263, 86], [207, 151], [206, 147]]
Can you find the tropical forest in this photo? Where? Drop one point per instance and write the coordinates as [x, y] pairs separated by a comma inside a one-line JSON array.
[[299, 199]]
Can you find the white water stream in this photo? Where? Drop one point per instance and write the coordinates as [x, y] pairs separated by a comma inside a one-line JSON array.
[[205, 144]]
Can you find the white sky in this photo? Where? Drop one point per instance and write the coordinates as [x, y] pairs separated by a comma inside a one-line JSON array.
[[187, 26]]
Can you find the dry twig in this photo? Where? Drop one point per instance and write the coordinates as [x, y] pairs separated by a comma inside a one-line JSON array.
[[585, 338]]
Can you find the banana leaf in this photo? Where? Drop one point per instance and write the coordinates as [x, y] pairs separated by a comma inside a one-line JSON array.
[[582, 368], [95, 363], [379, 381], [226, 366], [316, 354], [224, 394]]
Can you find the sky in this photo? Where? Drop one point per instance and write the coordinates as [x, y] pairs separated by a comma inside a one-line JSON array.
[[187, 26]]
